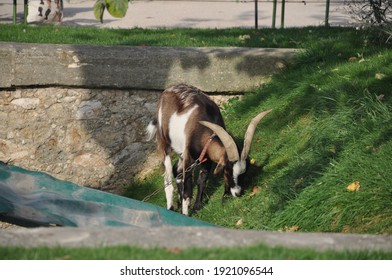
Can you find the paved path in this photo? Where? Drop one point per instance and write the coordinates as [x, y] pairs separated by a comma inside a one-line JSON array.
[[186, 237], [196, 14]]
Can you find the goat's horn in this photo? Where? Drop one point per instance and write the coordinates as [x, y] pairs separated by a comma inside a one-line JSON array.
[[227, 140], [249, 133]]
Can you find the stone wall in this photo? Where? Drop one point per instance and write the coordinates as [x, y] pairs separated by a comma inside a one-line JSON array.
[[93, 137], [79, 112]]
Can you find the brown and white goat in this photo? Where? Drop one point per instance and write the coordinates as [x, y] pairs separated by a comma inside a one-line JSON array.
[[191, 124]]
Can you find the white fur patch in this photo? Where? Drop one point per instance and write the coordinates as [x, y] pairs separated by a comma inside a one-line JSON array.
[[238, 169], [177, 125], [151, 131], [169, 189], [235, 191], [160, 118], [185, 206]]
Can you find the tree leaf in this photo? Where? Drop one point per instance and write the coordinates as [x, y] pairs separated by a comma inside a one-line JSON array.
[[99, 8], [117, 8]]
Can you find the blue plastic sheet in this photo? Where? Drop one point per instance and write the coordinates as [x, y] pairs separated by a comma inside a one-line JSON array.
[[36, 198]]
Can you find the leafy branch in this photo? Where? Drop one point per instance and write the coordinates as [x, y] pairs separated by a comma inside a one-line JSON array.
[[116, 8]]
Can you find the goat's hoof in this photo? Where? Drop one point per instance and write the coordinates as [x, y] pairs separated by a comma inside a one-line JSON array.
[[225, 197], [197, 207]]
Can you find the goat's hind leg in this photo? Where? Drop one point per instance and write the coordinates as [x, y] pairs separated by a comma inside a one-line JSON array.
[[179, 182]]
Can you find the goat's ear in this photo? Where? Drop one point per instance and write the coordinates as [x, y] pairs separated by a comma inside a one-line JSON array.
[[219, 167]]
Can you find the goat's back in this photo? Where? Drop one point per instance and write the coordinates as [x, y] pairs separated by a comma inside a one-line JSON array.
[[180, 98], [190, 104]]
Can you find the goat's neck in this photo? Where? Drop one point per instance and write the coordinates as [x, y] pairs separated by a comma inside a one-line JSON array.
[[216, 152]]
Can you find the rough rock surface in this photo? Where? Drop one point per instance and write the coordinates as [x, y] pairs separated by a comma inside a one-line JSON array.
[[92, 137]]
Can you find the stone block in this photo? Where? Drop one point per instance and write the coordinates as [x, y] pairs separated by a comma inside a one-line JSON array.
[[139, 67]]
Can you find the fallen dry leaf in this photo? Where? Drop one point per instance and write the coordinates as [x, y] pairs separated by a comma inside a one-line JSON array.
[[291, 229], [255, 191], [354, 186], [65, 257], [244, 37], [380, 76], [333, 149], [239, 223], [298, 182], [174, 250]]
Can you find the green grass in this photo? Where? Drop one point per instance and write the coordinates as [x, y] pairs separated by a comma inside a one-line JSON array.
[[256, 252], [236, 37], [331, 126]]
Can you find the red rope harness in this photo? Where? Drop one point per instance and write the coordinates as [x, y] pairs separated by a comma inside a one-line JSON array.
[[199, 161], [201, 158]]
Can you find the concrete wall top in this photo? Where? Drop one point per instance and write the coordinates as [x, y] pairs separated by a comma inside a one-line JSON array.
[[139, 67]]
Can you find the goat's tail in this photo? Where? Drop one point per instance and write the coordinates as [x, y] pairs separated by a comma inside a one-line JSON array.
[[151, 129]]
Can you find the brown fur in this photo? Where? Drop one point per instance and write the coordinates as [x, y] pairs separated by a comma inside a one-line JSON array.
[[180, 99]]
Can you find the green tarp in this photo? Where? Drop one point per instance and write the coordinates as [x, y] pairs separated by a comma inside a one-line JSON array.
[[36, 198]]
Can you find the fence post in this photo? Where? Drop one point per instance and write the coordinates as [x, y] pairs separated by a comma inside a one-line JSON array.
[[274, 13], [26, 10], [282, 16], [327, 13], [14, 12], [256, 15]]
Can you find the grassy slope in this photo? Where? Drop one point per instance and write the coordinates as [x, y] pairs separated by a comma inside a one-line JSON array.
[[332, 131], [331, 126]]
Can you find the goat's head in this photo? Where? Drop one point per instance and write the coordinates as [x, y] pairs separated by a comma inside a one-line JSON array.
[[236, 164]]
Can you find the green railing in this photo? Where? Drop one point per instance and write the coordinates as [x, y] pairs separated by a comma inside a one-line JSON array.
[[25, 11], [275, 4]]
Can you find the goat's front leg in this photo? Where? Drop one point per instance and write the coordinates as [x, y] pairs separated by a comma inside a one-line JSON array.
[[201, 184], [184, 182], [187, 195], [168, 181]]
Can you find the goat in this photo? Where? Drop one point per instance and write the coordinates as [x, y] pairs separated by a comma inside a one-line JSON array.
[[191, 124]]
